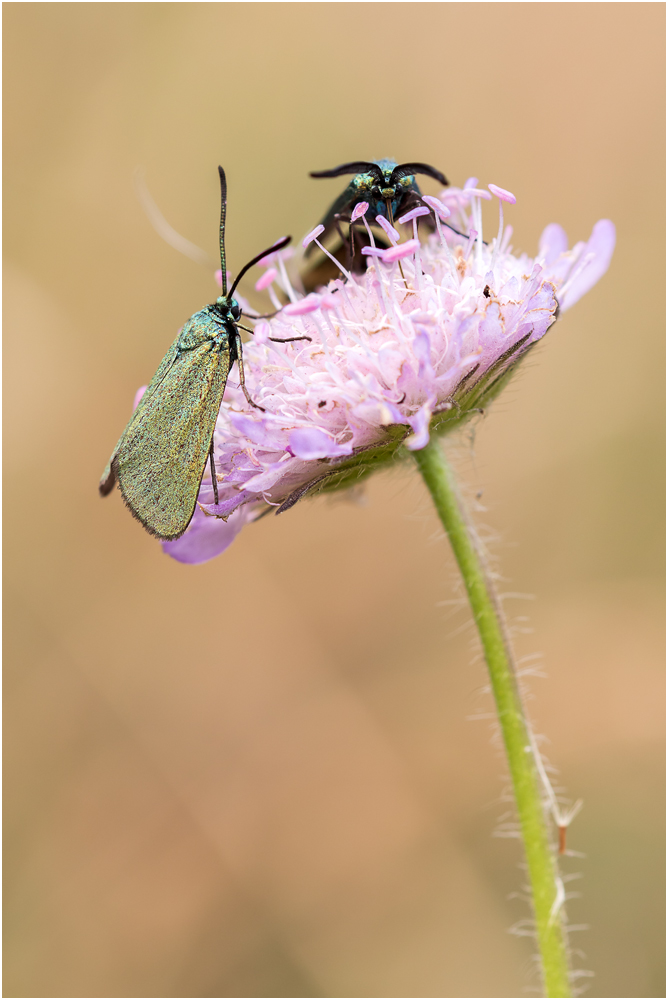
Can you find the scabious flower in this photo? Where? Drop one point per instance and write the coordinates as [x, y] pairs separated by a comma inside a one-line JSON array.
[[424, 338]]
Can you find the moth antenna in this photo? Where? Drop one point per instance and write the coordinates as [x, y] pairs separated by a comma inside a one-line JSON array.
[[272, 249], [358, 167], [223, 212], [264, 315], [405, 169]]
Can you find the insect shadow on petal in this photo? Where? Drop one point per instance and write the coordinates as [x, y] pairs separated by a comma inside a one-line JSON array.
[[388, 187], [161, 456]]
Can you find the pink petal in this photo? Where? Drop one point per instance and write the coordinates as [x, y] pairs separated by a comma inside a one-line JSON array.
[[422, 352], [310, 442], [261, 332], [420, 424], [552, 243], [207, 537], [257, 431], [268, 478], [601, 244], [226, 507], [138, 395]]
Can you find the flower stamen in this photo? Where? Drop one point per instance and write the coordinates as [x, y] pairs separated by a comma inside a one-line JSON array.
[[312, 237]]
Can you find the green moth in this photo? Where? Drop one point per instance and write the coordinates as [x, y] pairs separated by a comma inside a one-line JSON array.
[[160, 458]]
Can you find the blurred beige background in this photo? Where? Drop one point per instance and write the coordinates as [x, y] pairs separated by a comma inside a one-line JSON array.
[[260, 777]]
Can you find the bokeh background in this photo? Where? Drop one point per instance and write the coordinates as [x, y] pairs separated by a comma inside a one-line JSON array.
[[275, 775]]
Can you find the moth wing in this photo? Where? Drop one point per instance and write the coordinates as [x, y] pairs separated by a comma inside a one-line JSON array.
[[160, 459], [108, 479]]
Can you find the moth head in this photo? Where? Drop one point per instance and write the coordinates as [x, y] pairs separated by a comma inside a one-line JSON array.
[[229, 308]]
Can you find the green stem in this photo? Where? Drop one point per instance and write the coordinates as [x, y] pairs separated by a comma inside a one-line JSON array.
[[519, 743]]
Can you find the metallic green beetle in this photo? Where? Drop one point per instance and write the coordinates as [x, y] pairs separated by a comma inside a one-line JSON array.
[[160, 458], [388, 187]]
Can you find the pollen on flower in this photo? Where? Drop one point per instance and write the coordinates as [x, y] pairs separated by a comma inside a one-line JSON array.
[[415, 345]]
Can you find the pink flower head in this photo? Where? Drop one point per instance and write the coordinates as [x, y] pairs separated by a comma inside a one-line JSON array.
[[394, 355]]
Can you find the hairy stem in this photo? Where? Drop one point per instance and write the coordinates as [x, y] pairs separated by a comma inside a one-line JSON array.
[[546, 886]]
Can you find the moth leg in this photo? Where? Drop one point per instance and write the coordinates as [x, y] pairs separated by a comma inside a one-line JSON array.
[[212, 463], [277, 340], [390, 217], [261, 316], [350, 242], [242, 379], [288, 340]]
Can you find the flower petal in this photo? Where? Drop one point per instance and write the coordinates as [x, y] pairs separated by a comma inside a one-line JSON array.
[[138, 395], [553, 242], [601, 245], [311, 442], [420, 425], [206, 537]]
